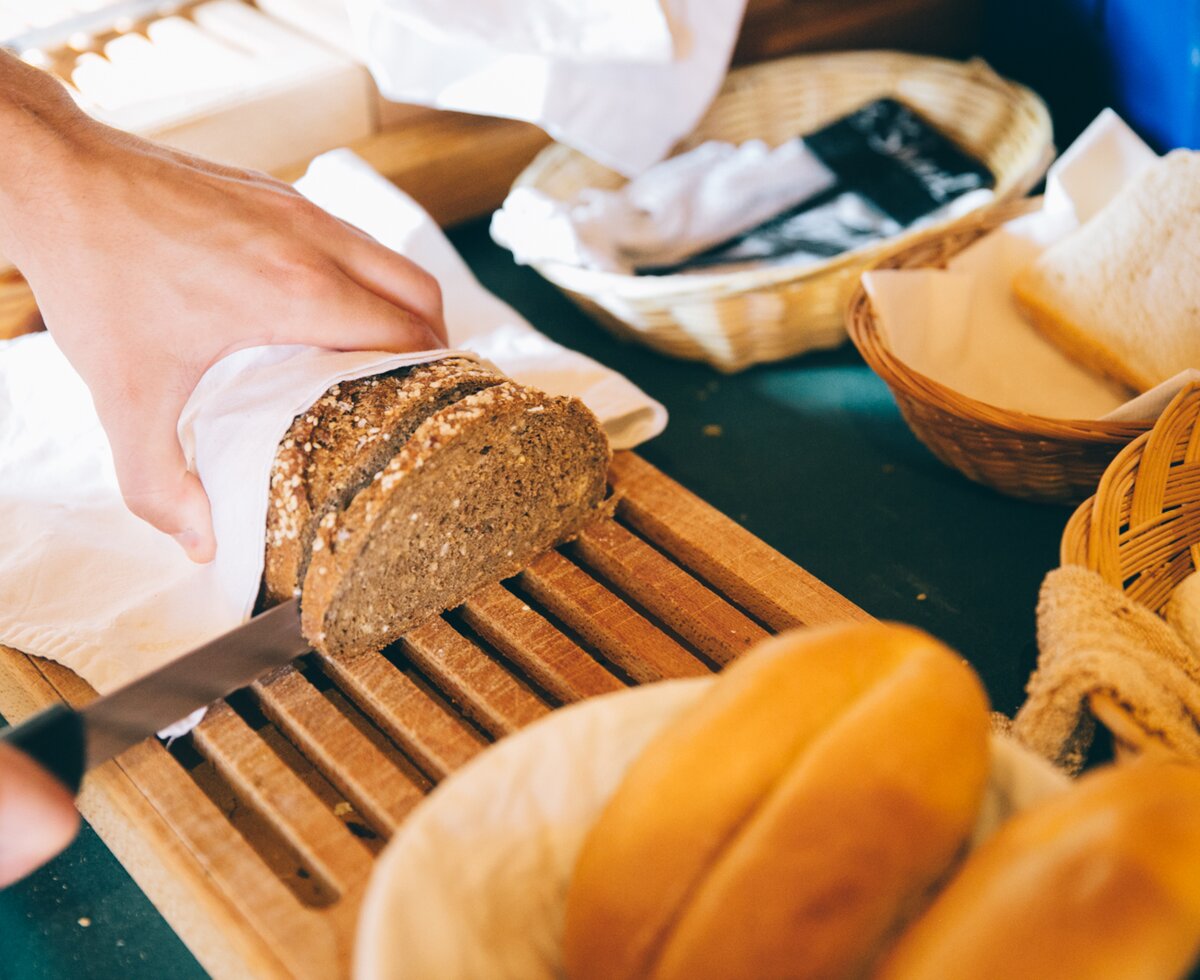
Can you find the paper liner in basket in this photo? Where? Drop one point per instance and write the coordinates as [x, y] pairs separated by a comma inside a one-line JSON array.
[[475, 883], [960, 327]]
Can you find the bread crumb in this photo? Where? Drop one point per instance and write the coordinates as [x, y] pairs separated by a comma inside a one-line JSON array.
[[341, 809], [85, 922], [713, 431]]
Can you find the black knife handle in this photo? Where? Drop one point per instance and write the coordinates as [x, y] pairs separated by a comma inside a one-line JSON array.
[[54, 738]]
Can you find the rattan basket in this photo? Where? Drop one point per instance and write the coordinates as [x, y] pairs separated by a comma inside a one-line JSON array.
[[1141, 530], [1029, 456], [735, 319]]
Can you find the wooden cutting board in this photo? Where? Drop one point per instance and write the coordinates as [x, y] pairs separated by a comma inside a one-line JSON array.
[[255, 836]]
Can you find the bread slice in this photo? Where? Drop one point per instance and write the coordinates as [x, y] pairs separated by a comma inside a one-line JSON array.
[[482, 487], [334, 449], [1121, 295]]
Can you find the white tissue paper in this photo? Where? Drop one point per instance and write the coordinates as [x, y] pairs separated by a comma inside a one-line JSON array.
[[674, 210], [961, 327], [85, 583], [688, 204], [621, 81], [475, 883]]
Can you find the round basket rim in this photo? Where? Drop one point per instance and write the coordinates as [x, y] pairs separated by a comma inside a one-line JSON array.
[[1077, 531], [706, 286]]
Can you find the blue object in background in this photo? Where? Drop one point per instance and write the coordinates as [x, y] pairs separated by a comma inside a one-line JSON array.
[[1153, 54], [1142, 57]]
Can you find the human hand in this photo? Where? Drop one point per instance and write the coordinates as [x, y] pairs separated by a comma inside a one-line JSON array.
[[37, 816], [150, 265]]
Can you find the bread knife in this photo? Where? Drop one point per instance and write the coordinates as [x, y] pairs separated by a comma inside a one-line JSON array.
[[68, 742]]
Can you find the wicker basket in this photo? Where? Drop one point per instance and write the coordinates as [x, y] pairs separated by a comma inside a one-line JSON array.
[[1029, 456], [735, 319], [1141, 530]]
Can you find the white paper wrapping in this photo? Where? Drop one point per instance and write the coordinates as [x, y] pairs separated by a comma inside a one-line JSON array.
[[620, 81], [85, 583], [475, 883], [961, 327], [674, 210]]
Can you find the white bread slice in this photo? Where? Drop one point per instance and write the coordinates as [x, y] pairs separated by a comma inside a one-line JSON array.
[[1121, 295]]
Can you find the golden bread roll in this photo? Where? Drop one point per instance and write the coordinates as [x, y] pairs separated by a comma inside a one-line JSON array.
[[1100, 882], [792, 820]]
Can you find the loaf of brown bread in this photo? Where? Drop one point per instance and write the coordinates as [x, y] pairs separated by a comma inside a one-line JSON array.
[[335, 449], [792, 820], [1099, 883], [395, 497]]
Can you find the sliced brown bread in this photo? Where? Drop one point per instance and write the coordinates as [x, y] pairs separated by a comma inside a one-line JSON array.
[[1120, 294], [482, 487], [334, 449]]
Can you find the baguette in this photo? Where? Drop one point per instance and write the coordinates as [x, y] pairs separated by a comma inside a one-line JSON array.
[[793, 820], [1099, 883], [1120, 295], [482, 486]]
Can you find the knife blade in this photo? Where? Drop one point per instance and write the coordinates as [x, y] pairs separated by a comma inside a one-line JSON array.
[[68, 743]]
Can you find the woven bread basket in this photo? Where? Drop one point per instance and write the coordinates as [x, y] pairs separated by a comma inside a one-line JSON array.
[[1023, 455], [1141, 531], [739, 318]]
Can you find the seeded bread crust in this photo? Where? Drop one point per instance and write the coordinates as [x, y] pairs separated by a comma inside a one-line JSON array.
[[335, 448], [481, 488]]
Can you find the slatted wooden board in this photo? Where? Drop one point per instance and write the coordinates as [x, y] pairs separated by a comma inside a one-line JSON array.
[[255, 836]]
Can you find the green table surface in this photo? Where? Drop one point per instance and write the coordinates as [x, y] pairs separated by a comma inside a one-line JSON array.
[[811, 455]]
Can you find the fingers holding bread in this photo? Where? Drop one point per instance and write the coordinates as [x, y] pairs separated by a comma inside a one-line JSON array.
[[793, 820]]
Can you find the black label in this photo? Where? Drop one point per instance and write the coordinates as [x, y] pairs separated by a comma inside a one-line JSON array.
[[895, 159], [892, 168]]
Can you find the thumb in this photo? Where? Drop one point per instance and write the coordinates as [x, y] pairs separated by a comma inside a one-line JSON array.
[[37, 815], [155, 481]]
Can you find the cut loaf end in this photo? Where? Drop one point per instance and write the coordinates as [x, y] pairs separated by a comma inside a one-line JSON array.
[[481, 487], [335, 448]]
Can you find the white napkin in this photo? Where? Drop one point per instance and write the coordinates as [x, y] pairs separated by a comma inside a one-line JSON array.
[[620, 81], [475, 883], [674, 210], [85, 583], [585, 30], [961, 327]]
